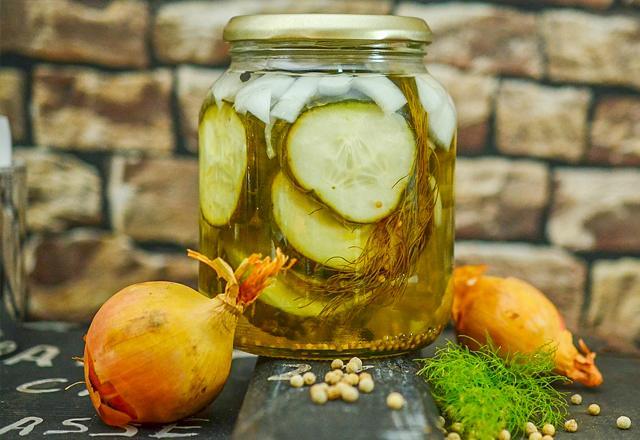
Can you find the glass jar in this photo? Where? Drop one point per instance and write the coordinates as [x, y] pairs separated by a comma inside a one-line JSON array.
[[327, 138]]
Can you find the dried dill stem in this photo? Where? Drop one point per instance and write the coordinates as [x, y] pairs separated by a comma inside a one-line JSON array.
[[388, 258], [487, 394]]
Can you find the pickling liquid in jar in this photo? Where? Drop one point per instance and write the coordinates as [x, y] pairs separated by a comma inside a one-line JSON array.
[[345, 164]]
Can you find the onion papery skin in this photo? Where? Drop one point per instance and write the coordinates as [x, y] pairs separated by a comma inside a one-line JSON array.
[[157, 352], [517, 318]]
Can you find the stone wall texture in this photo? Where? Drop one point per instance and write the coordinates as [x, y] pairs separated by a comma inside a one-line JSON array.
[[103, 98]]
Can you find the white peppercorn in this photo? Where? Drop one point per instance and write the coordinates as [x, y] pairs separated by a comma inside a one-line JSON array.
[[309, 378], [395, 400], [549, 429], [296, 381], [593, 409], [623, 422], [571, 425]]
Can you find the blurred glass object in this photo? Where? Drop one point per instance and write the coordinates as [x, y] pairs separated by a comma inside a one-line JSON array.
[[13, 197]]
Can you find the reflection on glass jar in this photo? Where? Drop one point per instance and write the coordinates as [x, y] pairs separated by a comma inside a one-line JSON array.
[[331, 141]]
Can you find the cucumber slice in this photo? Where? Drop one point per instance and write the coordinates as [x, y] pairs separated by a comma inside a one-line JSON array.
[[440, 108], [354, 157], [223, 161], [312, 230], [289, 291], [285, 293], [335, 85], [226, 87], [295, 98], [382, 91], [257, 95]]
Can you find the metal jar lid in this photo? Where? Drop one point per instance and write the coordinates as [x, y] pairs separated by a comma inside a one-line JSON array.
[[303, 27]]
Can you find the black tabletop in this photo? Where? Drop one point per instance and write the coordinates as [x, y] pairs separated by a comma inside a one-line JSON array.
[[36, 365]]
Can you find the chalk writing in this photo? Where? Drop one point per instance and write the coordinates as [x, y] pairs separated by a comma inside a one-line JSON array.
[[26, 387], [24, 426], [129, 431], [72, 423], [165, 432], [42, 355], [7, 347]]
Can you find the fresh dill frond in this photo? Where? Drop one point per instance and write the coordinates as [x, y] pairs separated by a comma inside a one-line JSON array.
[[487, 393]]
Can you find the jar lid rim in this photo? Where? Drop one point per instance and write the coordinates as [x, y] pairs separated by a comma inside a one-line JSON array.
[[327, 27]]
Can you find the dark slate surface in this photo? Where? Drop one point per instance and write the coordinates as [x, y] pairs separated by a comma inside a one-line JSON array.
[[271, 410], [71, 414], [275, 410]]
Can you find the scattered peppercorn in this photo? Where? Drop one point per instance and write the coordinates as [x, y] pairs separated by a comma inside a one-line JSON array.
[[395, 400], [530, 428], [351, 379], [337, 364], [571, 425], [349, 394], [504, 435], [309, 378], [331, 378], [318, 394], [535, 436], [357, 361], [549, 429], [351, 367], [296, 381], [245, 76], [593, 409], [365, 385], [576, 399], [623, 422], [333, 392]]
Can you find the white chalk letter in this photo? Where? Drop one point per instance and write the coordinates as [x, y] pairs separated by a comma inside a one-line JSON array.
[[42, 355], [72, 423], [26, 387], [24, 426], [165, 432], [129, 431]]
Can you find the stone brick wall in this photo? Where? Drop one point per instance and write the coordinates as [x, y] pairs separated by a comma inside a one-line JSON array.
[[103, 98]]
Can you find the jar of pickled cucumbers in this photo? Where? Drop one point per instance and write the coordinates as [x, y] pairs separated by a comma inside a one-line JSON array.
[[328, 138]]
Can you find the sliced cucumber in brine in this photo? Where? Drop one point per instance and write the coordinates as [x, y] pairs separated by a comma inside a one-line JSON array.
[[312, 229], [223, 161], [355, 158]]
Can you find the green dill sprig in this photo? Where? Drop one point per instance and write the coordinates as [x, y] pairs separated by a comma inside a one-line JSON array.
[[487, 393]]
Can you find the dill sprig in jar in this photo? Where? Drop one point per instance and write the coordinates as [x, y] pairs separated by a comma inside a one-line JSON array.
[[328, 138]]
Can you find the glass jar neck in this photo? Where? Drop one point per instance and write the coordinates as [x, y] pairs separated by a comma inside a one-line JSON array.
[[399, 57]]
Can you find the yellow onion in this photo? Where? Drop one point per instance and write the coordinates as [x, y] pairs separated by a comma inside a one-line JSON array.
[[159, 351], [518, 318]]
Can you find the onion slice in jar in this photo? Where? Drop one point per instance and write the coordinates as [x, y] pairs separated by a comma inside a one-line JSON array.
[[295, 98], [440, 108], [335, 85], [226, 87], [257, 96], [382, 91]]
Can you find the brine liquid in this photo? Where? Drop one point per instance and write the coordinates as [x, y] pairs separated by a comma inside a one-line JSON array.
[[297, 316]]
